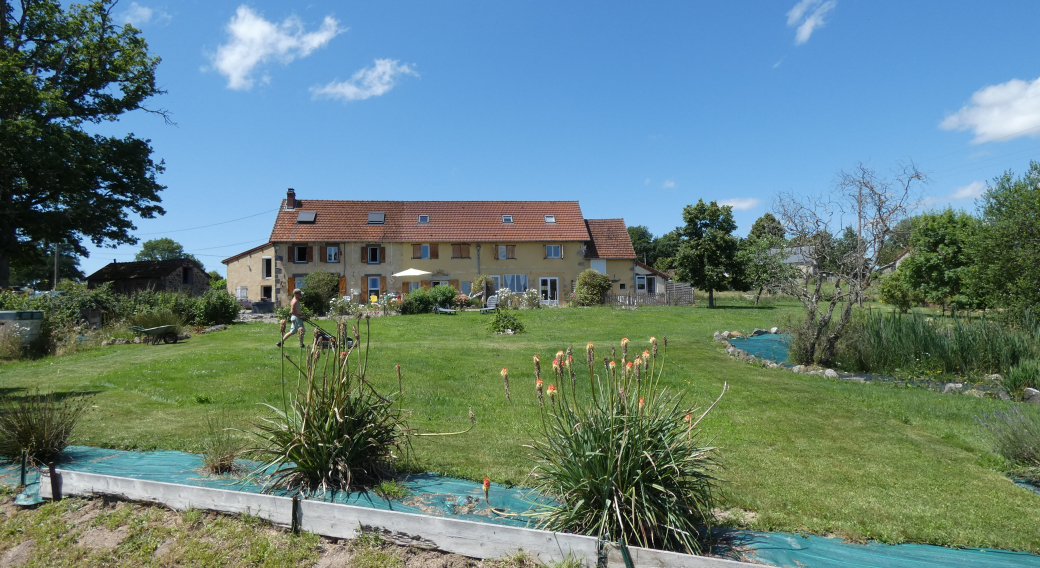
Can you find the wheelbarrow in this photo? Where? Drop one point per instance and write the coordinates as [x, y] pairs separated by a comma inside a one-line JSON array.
[[168, 333]]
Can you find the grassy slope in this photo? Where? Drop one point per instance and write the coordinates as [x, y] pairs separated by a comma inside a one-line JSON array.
[[805, 453]]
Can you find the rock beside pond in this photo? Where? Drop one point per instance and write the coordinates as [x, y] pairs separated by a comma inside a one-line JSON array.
[[774, 330], [830, 374], [975, 392], [758, 332], [213, 328], [1031, 395], [718, 337], [724, 335], [995, 378], [799, 368], [952, 387], [736, 334]]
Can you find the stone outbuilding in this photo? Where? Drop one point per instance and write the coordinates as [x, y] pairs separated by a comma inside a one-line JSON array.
[[178, 275]]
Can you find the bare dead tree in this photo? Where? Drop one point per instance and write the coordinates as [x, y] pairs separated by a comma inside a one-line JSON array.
[[860, 199]]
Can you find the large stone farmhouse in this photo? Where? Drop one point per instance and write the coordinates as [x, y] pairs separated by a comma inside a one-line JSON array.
[[522, 245], [177, 275]]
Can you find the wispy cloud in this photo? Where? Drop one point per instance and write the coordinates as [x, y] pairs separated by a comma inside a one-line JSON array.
[[808, 15], [668, 183], [741, 203], [137, 15], [368, 82], [1000, 112], [973, 190], [254, 40]]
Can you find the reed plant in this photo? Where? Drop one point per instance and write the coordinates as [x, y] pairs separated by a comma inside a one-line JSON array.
[[1025, 374], [222, 445], [622, 458], [888, 342], [1015, 435], [334, 431], [39, 424]]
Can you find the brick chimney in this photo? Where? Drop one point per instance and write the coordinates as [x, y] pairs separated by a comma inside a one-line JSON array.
[[290, 199]]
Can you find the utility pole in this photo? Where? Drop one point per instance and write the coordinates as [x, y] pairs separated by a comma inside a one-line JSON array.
[[54, 285]]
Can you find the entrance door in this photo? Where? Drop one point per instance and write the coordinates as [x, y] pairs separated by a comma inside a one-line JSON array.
[[549, 288]]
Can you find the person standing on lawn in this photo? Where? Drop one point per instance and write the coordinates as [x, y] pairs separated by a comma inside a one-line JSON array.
[[295, 316]]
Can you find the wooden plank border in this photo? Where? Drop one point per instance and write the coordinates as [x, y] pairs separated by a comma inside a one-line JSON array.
[[468, 538]]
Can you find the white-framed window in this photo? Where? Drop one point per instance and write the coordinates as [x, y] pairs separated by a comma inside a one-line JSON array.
[[623, 286], [332, 253], [599, 265], [467, 287], [413, 286], [497, 282], [553, 251], [507, 218], [373, 255], [373, 286], [267, 267], [423, 219], [515, 282], [640, 283], [435, 283], [550, 218], [646, 284], [549, 289], [424, 251], [299, 253]]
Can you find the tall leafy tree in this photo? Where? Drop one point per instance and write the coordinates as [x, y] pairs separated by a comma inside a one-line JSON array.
[[163, 249], [707, 255], [1007, 248], [767, 226], [643, 243], [940, 259], [61, 68]]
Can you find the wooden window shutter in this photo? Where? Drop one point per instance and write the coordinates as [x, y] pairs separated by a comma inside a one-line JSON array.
[[465, 251], [382, 284], [561, 250], [425, 284], [404, 288], [323, 254], [310, 254], [342, 286], [292, 286], [364, 255], [416, 251], [382, 255], [496, 252], [545, 251], [434, 251], [456, 251], [454, 284], [510, 251]]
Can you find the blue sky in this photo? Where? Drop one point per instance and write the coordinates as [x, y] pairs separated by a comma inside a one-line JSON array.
[[634, 110]]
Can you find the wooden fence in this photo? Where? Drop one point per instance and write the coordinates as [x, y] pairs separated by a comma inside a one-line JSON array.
[[668, 294]]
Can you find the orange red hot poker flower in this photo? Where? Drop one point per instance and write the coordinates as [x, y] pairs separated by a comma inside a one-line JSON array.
[[487, 488]]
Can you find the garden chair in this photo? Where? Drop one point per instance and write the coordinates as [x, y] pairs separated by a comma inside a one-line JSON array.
[[440, 310], [492, 305]]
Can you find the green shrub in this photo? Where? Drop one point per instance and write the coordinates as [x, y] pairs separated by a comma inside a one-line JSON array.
[[591, 288], [156, 319], [283, 312], [504, 320], [444, 296], [1015, 435], [895, 290], [1025, 374], [419, 301], [215, 307], [319, 289], [40, 424], [622, 457], [334, 431]]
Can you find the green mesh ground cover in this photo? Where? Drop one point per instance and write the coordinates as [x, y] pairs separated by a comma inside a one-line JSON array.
[[462, 499], [428, 494]]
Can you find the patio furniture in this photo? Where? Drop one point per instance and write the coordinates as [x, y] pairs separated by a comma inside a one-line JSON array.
[[440, 310], [492, 305]]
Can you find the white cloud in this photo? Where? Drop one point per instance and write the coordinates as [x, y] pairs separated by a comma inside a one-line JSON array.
[[254, 40], [137, 15], [973, 190], [1003, 111], [668, 183], [741, 203], [808, 23], [368, 82]]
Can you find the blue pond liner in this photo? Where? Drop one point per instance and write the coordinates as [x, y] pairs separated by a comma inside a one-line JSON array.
[[772, 346]]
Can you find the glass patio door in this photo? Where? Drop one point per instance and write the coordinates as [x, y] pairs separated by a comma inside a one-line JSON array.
[[549, 288]]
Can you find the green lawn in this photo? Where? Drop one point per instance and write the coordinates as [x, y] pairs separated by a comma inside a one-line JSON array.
[[803, 452]]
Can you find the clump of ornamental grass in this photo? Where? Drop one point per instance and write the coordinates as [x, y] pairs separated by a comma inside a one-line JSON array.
[[1025, 374], [222, 445], [334, 430], [622, 458], [1015, 436], [39, 424]]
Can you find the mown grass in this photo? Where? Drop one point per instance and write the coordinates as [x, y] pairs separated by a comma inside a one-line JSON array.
[[806, 453]]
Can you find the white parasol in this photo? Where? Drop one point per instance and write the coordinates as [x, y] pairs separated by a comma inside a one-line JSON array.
[[412, 272]]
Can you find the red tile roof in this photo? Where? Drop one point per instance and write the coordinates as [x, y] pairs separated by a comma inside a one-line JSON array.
[[466, 221], [609, 239]]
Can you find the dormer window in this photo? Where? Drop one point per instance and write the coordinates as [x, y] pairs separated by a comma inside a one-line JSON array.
[[424, 219], [376, 218], [550, 218], [507, 218]]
